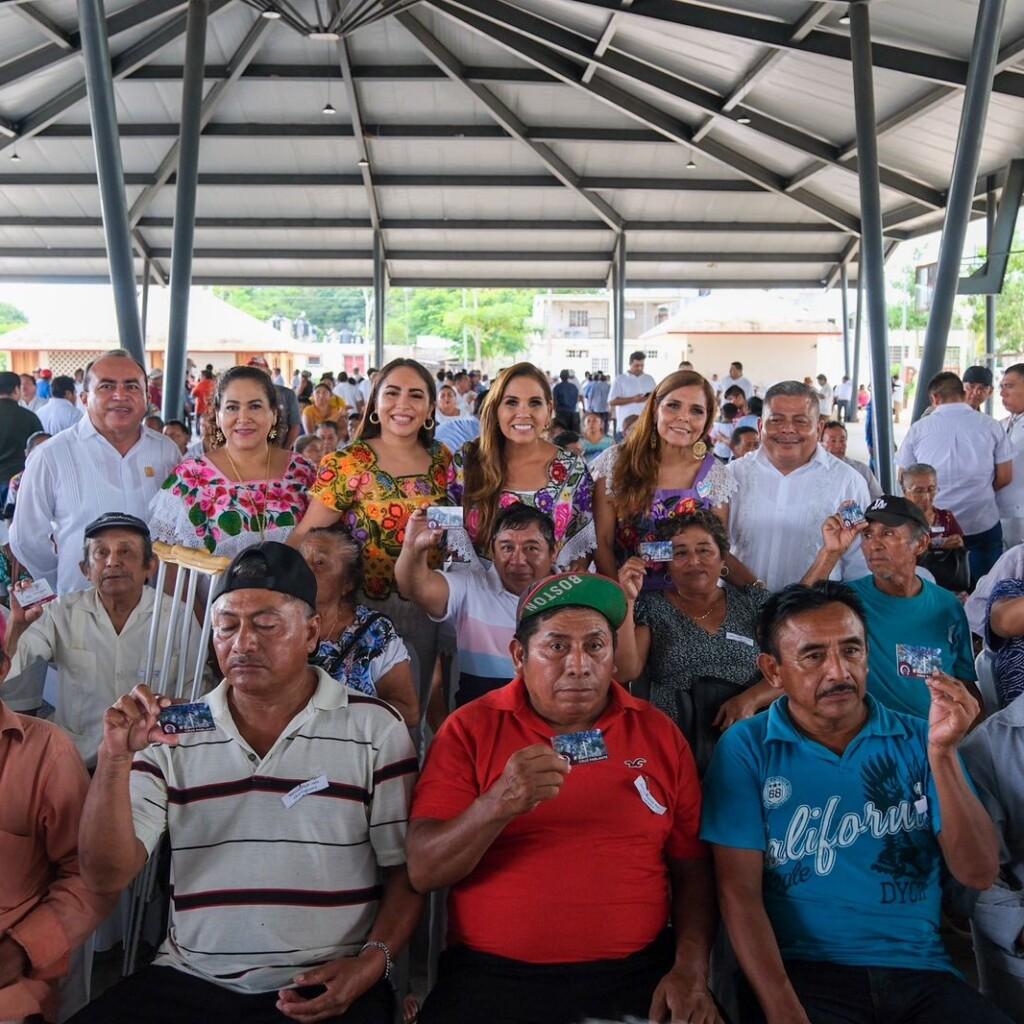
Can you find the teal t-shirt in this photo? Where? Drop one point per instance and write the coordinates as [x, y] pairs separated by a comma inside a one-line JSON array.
[[852, 860], [933, 618]]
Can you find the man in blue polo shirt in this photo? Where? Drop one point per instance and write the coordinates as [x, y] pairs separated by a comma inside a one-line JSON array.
[[831, 817], [911, 622]]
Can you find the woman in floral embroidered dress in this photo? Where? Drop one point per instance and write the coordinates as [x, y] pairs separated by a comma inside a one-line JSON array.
[[358, 646], [392, 467], [245, 488], [662, 471], [512, 462]]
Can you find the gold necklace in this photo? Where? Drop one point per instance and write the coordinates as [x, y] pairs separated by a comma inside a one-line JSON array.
[[700, 618], [266, 487]]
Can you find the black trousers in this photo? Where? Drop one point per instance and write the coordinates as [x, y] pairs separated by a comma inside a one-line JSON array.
[[838, 994], [476, 988], [161, 995]]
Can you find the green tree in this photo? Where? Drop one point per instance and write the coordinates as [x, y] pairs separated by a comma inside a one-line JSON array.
[[1009, 305], [325, 308], [496, 321], [10, 317]]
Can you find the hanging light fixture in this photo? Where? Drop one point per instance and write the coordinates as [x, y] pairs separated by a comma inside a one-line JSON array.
[[328, 106], [691, 164], [844, 19], [14, 157], [271, 14], [743, 120]]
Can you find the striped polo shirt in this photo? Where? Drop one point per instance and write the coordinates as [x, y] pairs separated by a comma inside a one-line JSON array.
[[260, 890]]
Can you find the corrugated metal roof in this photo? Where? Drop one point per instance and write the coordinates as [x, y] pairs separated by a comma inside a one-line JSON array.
[[281, 195]]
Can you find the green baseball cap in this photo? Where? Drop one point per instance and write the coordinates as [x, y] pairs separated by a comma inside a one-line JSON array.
[[574, 590]]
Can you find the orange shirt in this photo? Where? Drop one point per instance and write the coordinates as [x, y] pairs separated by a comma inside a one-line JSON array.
[[203, 394], [44, 904]]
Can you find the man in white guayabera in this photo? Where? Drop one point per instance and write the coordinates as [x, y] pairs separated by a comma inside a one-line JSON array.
[[831, 817]]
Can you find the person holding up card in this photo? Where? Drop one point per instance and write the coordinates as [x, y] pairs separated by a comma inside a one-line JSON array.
[[561, 813], [833, 820], [370, 488], [95, 638], [480, 600], [662, 471], [696, 642], [284, 798], [911, 622]]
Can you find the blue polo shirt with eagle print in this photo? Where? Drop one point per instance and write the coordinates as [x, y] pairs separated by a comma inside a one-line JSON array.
[[851, 857]]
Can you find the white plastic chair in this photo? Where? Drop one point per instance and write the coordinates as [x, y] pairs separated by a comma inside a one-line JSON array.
[[192, 566]]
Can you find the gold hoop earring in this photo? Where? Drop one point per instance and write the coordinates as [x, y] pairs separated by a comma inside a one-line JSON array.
[[700, 449], [428, 424], [373, 420], [219, 440]]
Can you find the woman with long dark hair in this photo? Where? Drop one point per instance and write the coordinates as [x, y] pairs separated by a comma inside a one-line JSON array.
[[245, 488], [513, 462], [663, 470], [392, 467]]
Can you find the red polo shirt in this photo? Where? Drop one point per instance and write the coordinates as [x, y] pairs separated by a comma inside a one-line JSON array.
[[584, 876]]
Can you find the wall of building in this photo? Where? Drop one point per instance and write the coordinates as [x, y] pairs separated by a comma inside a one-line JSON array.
[[766, 358]]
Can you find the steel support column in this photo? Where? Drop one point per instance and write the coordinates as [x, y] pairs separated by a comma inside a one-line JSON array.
[[990, 300], [619, 303], [854, 413], [872, 257], [145, 298], [844, 285], [961, 193], [185, 208], [380, 284], [110, 174]]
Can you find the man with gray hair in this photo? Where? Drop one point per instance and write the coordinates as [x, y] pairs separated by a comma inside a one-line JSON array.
[[786, 489], [914, 627], [107, 462]]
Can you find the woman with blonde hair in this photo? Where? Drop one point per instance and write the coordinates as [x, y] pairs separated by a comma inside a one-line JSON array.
[[511, 461], [663, 470]]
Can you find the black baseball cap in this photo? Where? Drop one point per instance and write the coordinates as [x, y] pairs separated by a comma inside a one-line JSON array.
[[116, 521], [893, 511], [978, 375], [271, 566]]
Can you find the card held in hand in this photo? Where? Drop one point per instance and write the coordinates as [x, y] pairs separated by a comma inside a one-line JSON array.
[[186, 718], [581, 747], [918, 662]]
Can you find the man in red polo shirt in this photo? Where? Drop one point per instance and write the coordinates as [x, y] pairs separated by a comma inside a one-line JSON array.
[[563, 815]]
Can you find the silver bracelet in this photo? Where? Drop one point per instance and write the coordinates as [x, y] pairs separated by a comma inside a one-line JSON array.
[[388, 961]]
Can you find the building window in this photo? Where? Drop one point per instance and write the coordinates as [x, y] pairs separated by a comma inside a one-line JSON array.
[[662, 315], [600, 365], [579, 318], [652, 353]]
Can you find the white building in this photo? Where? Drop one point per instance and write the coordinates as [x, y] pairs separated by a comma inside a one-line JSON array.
[[574, 332]]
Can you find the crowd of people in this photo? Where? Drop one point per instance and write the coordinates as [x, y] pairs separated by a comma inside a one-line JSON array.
[[675, 709]]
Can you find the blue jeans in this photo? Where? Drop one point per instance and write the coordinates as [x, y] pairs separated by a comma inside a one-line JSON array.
[[983, 551], [838, 994]]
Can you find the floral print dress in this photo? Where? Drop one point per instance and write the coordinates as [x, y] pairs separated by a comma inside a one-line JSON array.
[[712, 488], [376, 506], [199, 507], [567, 499]]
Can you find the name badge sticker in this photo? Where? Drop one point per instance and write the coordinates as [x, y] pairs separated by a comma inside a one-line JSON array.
[[740, 639], [921, 805], [292, 797], [647, 796]]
